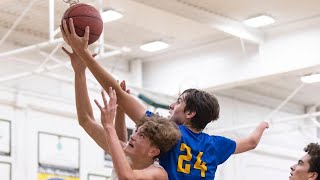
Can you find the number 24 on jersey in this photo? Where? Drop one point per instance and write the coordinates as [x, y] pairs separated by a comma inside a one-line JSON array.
[[200, 165]]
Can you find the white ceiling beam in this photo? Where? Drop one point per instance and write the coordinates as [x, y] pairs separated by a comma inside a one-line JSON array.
[[283, 103], [58, 61], [32, 47], [48, 68], [17, 22], [48, 58]]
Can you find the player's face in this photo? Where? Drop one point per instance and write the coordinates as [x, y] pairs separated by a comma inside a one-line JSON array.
[[300, 170], [177, 111], [138, 146]]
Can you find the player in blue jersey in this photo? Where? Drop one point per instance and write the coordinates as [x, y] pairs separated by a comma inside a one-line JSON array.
[[308, 166], [197, 154]]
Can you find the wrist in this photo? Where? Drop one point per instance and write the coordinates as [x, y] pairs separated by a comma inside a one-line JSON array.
[[83, 52], [108, 127], [80, 72]]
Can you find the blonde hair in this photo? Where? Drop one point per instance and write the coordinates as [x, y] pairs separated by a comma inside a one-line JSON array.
[[162, 133]]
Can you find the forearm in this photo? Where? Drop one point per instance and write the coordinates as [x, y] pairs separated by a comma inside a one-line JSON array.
[[120, 126], [255, 136], [83, 105], [85, 113], [132, 107], [252, 140], [120, 162]]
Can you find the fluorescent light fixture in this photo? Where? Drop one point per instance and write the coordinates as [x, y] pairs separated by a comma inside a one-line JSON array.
[[154, 46], [259, 21], [110, 15], [310, 78]]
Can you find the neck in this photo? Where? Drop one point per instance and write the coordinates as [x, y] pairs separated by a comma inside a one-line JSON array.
[[138, 163], [188, 125]]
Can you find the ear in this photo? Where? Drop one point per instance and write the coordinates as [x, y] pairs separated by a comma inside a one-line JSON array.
[[314, 175], [190, 114], [154, 152]]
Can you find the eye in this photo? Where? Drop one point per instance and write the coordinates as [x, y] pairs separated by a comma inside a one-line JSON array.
[[141, 135]]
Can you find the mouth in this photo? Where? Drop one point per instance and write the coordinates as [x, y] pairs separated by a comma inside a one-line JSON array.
[[130, 144]]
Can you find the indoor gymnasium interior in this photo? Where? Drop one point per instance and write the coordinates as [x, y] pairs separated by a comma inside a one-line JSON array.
[[260, 59]]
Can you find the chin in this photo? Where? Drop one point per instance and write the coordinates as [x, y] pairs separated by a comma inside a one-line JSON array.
[[126, 149]]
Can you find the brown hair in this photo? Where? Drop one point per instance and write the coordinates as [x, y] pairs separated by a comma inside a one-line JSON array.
[[162, 133], [205, 105], [313, 149]]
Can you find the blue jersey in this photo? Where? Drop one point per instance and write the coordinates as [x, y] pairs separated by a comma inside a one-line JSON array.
[[196, 155]]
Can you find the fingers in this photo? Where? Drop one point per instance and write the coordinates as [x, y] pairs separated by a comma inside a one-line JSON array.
[[104, 99], [113, 98], [124, 85], [66, 51], [110, 93], [99, 106], [65, 29], [71, 26], [86, 34], [64, 36]]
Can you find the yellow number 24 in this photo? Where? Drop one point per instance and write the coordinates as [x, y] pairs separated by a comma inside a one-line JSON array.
[[198, 165]]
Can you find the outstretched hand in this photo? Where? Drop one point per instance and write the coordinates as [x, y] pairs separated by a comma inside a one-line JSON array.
[[77, 64], [124, 88], [109, 110], [264, 125], [69, 35]]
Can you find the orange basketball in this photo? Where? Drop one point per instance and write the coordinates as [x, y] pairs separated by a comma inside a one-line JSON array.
[[84, 15]]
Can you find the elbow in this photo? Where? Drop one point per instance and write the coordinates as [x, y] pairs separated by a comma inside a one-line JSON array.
[[84, 120], [253, 143], [81, 123]]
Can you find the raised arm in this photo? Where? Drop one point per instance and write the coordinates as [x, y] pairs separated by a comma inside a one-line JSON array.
[[120, 123], [251, 142], [119, 160], [132, 107], [84, 109]]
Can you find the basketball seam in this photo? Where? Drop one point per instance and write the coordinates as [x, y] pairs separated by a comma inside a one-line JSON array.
[[86, 16], [80, 16], [84, 31], [79, 5]]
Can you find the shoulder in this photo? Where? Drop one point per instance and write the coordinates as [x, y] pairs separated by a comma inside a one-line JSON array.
[[158, 171], [220, 138]]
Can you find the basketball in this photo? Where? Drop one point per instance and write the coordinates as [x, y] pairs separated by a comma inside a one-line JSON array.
[[84, 15]]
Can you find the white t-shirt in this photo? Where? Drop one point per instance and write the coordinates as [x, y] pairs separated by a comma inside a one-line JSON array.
[[114, 175]]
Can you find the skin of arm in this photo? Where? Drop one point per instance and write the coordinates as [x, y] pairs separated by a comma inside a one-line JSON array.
[[83, 105], [120, 123], [251, 142], [131, 106], [120, 162]]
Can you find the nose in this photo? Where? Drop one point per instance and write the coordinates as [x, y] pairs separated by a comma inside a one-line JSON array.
[[133, 136], [171, 106], [292, 167]]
